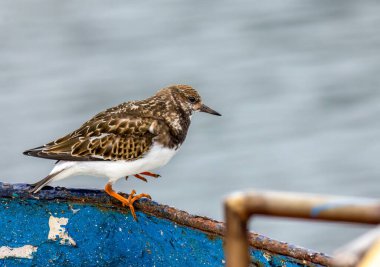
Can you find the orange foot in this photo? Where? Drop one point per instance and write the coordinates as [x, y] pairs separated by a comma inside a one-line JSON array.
[[126, 201], [139, 176]]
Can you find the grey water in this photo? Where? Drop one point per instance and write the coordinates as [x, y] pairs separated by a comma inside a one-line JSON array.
[[297, 83]]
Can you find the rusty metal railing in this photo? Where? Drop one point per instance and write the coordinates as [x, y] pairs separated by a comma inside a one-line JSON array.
[[239, 207], [363, 251]]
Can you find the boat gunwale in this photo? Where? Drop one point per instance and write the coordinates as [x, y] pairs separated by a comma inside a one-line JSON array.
[[180, 217]]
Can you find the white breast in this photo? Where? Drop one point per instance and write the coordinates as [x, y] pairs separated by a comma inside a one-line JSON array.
[[157, 157]]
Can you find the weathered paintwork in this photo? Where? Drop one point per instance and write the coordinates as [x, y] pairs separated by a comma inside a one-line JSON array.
[[63, 227]]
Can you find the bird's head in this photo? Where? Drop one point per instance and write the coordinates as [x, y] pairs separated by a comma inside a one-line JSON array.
[[189, 99]]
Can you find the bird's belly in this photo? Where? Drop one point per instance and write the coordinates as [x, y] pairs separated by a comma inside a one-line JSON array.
[[157, 157]]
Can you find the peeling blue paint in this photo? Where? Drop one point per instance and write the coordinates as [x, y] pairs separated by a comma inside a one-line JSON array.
[[107, 237], [338, 203]]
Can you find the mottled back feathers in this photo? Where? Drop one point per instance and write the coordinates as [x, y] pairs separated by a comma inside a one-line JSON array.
[[127, 131]]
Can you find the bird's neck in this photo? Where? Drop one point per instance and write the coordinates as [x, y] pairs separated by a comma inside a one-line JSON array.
[[179, 123], [177, 118]]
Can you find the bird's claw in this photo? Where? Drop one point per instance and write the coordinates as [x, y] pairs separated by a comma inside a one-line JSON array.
[[131, 199]]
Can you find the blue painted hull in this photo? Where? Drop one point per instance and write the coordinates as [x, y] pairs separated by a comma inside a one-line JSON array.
[[85, 228]]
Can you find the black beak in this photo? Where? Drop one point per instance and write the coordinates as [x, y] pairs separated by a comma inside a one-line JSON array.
[[206, 109]]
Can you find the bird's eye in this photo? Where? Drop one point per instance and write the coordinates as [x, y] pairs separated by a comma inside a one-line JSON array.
[[192, 99]]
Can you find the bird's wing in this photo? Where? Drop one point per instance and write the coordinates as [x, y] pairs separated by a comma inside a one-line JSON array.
[[107, 136]]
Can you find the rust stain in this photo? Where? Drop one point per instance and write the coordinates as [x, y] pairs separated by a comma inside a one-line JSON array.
[[211, 227]]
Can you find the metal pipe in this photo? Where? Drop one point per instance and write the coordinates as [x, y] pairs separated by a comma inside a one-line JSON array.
[[352, 253], [372, 256], [239, 207], [236, 246]]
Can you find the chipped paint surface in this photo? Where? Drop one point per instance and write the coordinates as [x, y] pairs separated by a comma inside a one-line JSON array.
[[110, 238], [106, 234], [267, 256], [24, 252], [58, 231]]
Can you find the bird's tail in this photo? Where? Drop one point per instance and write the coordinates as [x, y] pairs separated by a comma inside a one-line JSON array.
[[40, 184]]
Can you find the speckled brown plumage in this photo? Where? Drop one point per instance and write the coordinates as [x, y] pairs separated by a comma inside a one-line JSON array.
[[132, 138], [127, 131]]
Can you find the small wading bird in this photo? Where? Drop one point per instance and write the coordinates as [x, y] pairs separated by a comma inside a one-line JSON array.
[[132, 138]]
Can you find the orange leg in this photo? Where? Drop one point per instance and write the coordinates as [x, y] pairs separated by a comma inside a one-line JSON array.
[[139, 176], [151, 174], [126, 201]]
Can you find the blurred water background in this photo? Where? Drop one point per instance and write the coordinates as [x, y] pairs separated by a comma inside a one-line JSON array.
[[297, 83]]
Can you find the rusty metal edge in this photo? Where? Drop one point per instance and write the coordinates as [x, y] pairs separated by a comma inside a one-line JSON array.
[[204, 224]]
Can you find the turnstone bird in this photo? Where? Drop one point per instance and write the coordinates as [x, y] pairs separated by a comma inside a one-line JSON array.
[[132, 138]]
